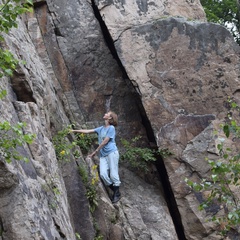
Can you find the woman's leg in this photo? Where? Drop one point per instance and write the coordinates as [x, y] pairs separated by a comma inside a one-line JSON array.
[[104, 171], [113, 159]]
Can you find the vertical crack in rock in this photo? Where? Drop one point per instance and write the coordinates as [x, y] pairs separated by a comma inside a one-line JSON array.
[[107, 36], [110, 44], [170, 199], [1, 227]]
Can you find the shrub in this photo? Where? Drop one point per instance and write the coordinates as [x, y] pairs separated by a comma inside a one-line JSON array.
[[224, 178], [63, 147], [12, 136], [90, 183], [85, 141], [140, 157]]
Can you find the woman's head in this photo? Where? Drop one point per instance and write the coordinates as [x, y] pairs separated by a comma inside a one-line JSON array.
[[112, 118]]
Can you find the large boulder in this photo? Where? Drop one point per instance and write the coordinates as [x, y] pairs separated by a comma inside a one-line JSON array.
[[120, 15], [184, 70], [175, 72]]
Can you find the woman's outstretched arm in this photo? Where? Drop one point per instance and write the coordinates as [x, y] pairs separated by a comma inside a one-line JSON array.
[[83, 131]]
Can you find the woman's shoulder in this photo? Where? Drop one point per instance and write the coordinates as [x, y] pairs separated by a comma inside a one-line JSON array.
[[98, 128]]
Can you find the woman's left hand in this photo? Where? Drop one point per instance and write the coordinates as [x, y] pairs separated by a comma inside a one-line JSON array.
[[93, 154]]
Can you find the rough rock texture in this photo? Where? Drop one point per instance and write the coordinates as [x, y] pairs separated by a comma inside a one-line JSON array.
[[145, 210], [121, 15], [193, 77], [48, 196], [184, 70], [171, 71]]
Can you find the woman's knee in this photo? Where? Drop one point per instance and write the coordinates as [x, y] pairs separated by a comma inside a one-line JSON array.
[[114, 177], [103, 175]]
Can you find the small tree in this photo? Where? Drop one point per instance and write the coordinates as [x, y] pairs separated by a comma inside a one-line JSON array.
[[224, 12], [140, 157], [224, 182]]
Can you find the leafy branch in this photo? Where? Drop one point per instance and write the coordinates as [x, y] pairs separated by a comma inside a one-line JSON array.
[[12, 136], [140, 157], [226, 13], [224, 181], [9, 11]]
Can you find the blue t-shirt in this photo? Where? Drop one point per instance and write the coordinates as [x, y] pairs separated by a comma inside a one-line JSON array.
[[106, 132]]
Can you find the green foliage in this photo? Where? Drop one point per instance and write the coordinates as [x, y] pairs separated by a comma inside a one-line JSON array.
[[98, 235], [224, 12], [92, 197], [140, 157], [63, 147], [3, 93], [9, 11], [7, 62], [113, 218], [90, 183], [137, 157], [85, 141], [84, 174], [10, 138], [164, 152], [224, 181], [78, 236], [92, 189]]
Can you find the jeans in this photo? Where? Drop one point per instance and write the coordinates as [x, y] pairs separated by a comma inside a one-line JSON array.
[[109, 169]]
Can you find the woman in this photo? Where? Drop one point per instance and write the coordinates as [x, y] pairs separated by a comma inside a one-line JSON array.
[[109, 155]]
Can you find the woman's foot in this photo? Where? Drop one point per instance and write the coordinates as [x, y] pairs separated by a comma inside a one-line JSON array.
[[116, 194]]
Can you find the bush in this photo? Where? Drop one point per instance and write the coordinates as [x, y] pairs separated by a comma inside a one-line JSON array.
[[63, 147], [85, 141], [224, 178], [90, 183], [140, 157], [12, 136]]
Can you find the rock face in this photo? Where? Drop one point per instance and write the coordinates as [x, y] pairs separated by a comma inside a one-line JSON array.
[[184, 70], [194, 77], [121, 15], [161, 67]]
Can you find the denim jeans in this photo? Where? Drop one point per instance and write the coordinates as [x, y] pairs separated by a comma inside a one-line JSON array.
[[109, 169]]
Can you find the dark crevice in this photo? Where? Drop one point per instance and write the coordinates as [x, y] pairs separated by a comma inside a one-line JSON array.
[[170, 199], [163, 175], [58, 32], [169, 195], [1, 229], [62, 235], [108, 38], [21, 88], [37, 4]]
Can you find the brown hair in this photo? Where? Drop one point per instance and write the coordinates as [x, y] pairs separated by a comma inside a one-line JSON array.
[[114, 119]]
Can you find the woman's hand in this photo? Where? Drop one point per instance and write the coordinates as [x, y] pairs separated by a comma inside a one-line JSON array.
[[93, 154], [75, 131]]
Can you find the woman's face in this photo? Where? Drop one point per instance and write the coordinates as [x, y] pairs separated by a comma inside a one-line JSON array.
[[107, 116]]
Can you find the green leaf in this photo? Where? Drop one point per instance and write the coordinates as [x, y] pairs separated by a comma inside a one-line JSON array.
[[225, 156], [226, 130], [214, 177], [3, 94]]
